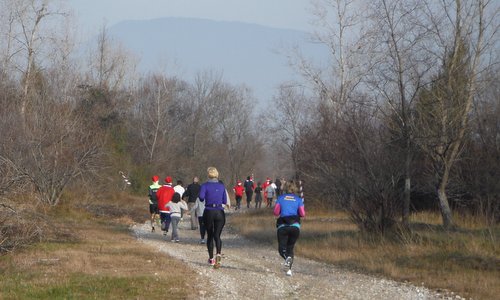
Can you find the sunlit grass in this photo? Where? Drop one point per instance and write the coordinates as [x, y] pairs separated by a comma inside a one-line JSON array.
[[466, 260]]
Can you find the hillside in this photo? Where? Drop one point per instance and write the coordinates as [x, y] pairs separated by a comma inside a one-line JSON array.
[[246, 53]]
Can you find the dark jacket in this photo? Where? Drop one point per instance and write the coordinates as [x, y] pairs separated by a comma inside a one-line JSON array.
[[192, 192], [248, 186]]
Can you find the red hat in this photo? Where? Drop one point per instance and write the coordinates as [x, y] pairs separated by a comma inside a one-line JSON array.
[[238, 182], [268, 179], [168, 179], [155, 178]]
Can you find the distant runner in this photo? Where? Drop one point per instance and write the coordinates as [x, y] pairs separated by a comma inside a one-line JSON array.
[[153, 201], [164, 195]]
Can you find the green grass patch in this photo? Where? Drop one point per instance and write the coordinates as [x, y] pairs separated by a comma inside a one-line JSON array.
[[84, 286]]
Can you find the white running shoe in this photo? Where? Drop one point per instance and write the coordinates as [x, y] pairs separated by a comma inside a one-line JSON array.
[[289, 273], [288, 262]]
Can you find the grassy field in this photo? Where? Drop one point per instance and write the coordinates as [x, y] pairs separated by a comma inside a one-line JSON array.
[[465, 261], [93, 256]]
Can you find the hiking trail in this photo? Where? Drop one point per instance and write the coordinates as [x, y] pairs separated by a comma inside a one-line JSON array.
[[253, 271]]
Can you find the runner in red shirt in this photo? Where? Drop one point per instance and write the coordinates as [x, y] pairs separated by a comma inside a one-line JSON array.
[[238, 193], [164, 195]]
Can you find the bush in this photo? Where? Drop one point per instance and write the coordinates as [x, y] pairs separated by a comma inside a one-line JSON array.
[[18, 228]]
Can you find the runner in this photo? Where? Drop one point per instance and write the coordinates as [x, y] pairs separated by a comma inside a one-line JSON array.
[[238, 194], [269, 192], [249, 187], [198, 209], [289, 208], [179, 188], [214, 194], [164, 196], [264, 187], [153, 201], [175, 207], [258, 195], [191, 193]]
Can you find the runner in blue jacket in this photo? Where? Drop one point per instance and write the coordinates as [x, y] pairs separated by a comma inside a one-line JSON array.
[[289, 209]]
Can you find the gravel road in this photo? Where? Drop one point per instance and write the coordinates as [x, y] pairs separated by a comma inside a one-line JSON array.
[[251, 271]]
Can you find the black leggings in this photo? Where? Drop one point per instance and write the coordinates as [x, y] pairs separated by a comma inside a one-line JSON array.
[[214, 222], [249, 195], [287, 236]]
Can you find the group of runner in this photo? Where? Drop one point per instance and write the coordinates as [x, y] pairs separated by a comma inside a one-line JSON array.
[[267, 190], [208, 201]]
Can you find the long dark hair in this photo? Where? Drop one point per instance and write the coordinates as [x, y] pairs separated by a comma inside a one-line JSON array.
[[176, 198]]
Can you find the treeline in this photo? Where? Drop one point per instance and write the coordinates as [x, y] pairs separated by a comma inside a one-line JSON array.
[[406, 113], [70, 126], [404, 116]]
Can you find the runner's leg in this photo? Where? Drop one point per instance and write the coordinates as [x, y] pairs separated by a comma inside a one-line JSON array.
[[203, 230], [208, 220], [293, 235], [175, 226], [282, 241], [219, 222]]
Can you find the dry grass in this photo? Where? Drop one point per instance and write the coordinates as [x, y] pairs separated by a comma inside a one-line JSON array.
[[96, 258], [466, 261]]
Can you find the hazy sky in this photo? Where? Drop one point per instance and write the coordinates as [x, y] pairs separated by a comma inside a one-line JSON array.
[[292, 14]]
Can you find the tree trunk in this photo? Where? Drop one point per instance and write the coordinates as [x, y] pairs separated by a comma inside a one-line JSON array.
[[443, 200], [407, 188], [406, 202]]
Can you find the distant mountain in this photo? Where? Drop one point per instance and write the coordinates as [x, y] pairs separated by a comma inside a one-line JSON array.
[[245, 53]]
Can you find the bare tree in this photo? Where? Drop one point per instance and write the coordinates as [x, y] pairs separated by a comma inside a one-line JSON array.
[[155, 99], [203, 95], [110, 63], [290, 116], [58, 147], [399, 69], [25, 38], [338, 27], [234, 129], [466, 32], [479, 165]]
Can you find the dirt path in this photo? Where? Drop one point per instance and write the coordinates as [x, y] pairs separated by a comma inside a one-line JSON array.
[[251, 271]]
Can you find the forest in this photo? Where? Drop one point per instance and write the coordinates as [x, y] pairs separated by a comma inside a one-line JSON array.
[[404, 117]]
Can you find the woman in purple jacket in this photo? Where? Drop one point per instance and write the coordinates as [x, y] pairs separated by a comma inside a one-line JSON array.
[[213, 193]]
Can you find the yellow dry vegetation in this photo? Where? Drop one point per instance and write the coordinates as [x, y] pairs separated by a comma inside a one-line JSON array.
[[465, 261]]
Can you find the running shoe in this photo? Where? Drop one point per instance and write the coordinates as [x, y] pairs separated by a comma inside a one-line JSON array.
[[218, 258], [202, 241], [289, 262], [211, 261], [289, 273]]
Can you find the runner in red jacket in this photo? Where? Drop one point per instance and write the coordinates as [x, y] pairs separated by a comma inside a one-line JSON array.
[[238, 193], [164, 195], [264, 186]]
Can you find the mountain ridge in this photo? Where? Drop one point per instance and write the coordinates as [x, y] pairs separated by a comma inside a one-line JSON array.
[[245, 53]]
